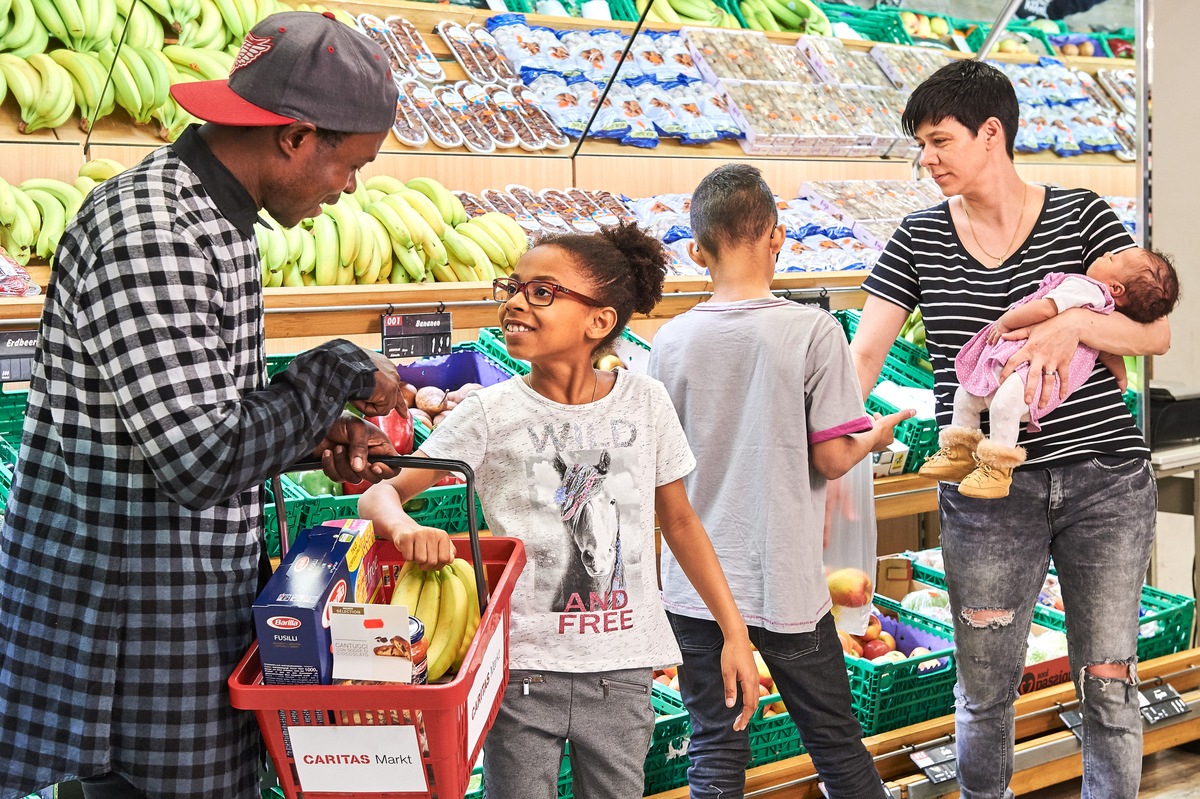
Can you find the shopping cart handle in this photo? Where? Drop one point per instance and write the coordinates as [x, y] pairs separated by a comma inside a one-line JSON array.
[[404, 462]]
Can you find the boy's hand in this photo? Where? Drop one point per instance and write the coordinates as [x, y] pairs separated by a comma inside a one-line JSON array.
[[884, 427], [738, 669]]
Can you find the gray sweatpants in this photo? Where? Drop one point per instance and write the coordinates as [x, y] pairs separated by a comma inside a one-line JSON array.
[[606, 716]]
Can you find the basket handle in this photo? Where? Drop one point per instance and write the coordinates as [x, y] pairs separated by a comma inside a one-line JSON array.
[[404, 462]]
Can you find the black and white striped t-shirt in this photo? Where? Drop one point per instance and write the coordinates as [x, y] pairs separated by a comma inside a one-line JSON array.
[[926, 264]]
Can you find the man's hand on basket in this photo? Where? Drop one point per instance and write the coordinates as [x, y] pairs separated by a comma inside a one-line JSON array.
[[348, 446]]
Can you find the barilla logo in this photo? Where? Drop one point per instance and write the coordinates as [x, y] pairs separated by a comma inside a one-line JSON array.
[[283, 622], [338, 594]]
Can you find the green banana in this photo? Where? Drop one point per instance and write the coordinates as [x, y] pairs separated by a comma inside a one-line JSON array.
[[398, 233], [66, 194], [101, 169], [8, 204], [125, 86], [54, 222], [438, 194], [56, 99], [478, 234], [385, 183], [348, 230], [325, 258], [425, 207]]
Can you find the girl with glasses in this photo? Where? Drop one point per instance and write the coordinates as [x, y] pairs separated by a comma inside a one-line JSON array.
[[576, 462]]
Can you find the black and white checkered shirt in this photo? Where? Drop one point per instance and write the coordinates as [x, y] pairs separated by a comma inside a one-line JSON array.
[[130, 549]]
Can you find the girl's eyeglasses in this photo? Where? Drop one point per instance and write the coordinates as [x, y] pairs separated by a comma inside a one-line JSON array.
[[537, 292]]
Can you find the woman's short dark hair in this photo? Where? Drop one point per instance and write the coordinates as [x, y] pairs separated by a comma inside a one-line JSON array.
[[969, 92]]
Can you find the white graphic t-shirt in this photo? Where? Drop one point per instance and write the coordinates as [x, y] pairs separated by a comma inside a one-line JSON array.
[[576, 484]]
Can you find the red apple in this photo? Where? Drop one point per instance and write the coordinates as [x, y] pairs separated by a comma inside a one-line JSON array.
[[874, 628], [850, 587], [874, 648]]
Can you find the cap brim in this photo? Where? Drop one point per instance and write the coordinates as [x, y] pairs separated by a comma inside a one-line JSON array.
[[214, 101]]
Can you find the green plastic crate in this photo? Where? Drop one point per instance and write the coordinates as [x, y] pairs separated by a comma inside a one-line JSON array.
[[886, 696], [278, 363], [623, 10], [919, 435], [732, 7], [491, 342], [12, 413], [903, 351], [979, 33], [295, 501], [1133, 401], [873, 25], [1174, 614]]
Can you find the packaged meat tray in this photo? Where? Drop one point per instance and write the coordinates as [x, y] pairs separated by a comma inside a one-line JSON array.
[[413, 47], [467, 52]]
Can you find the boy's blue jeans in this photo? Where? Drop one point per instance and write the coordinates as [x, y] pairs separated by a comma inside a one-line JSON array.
[[1096, 518], [810, 675]]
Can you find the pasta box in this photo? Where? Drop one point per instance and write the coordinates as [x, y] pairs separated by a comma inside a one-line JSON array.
[[335, 562]]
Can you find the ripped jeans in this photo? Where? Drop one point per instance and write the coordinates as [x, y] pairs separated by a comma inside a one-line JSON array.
[[1096, 518]]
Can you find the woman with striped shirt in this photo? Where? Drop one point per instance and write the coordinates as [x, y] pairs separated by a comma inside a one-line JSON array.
[[1085, 494]]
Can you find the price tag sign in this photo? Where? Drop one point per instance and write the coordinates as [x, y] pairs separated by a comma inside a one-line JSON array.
[[938, 763], [820, 301], [1160, 703], [16, 355], [415, 335]]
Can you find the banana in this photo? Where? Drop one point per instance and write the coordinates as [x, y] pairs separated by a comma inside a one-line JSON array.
[[208, 64], [439, 195], [348, 229], [425, 207], [456, 246], [295, 241], [397, 231], [24, 83], [53, 222], [408, 588], [291, 276], [429, 605], [467, 575], [8, 204], [38, 41], [248, 12], [232, 18], [48, 14], [325, 257], [71, 13], [452, 622], [463, 271], [159, 67], [88, 77], [411, 264], [506, 224], [788, 18], [67, 195], [208, 31], [101, 169], [24, 19], [101, 29], [84, 184], [19, 239], [125, 86], [28, 210], [308, 252], [146, 89], [385, 183], [442, 273], [56, 99], [366, 257], [664, 13], [145, 28], [418, 229], [481, 236]]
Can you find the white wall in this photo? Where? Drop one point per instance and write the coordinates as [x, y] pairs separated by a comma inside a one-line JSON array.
[[1175, 173]]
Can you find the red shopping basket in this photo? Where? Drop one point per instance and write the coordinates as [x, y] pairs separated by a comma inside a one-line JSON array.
[[426, 737]]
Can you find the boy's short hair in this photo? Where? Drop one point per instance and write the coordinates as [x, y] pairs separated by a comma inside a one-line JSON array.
[[1153, 292], [968, 91], [733, 205]]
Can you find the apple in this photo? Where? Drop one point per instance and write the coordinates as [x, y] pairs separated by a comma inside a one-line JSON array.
[[874, 628], [924, 29], [768, 713], [920, 651], [910, 21], [663, 679], [887, 638], [891, 656], [849, 645], [763, 691], [764, 676], [874, 648], [939, 26], [674, 683], [850, 587], [777, 707]]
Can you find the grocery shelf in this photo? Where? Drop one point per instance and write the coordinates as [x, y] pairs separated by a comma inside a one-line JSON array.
[[1048, 757]]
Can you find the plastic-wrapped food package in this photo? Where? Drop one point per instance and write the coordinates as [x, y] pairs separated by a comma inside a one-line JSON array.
[[539, 121], [415, 50], [832, 257], [579, 220], [542, 211], [714, 107], [408, 127], [474, 135], [932, 603], [627, 110], [467, 52], [676, 56], [696, 128], [434, 117], [378, 31], [597, 52], [562, 104], [473, 204], [587, 206], [490, 49], [14, 280], [661, 112], [510, 117], [505, 203], [497, 124], [610, 204]]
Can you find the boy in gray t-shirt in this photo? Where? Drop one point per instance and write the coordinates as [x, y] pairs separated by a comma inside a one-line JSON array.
[[769, 399]]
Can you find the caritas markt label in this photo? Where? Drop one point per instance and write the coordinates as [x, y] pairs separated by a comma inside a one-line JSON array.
[[372, 759]]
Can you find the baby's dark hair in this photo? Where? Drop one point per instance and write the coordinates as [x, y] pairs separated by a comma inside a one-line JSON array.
[[1153, 292], [624, 265], [733, 205]]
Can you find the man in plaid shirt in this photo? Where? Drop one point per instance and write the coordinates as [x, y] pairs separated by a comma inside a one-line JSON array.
[[130, 551]]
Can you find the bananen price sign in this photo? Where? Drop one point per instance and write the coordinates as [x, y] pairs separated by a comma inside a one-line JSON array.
[[416, 335], [16, 355], [1160, 703]]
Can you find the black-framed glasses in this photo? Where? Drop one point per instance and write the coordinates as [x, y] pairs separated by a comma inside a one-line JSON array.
[[537, 292]]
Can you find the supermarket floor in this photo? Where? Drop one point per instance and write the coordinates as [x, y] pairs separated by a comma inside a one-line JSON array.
[[1170, 774]]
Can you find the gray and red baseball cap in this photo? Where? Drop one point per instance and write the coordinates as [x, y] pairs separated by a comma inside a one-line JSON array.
[[300, 66]]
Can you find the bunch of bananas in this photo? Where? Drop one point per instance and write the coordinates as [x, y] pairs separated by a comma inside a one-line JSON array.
[[83, 25], [34, 214], [793, 16], [447, 603], [21, 32], [145, 28], [42, 88], [689, 12], [340, 14], [389, 231]]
